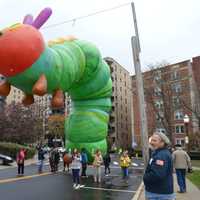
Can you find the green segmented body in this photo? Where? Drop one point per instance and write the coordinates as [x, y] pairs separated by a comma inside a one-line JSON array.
[[76, 67]]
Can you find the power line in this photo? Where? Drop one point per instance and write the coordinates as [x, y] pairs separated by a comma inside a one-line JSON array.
[[85, 16]]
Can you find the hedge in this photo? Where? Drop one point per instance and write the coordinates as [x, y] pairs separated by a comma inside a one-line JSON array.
[[11, 149]]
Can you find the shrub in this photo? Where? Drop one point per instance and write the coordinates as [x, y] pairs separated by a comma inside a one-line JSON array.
[[195, 155], [11, 149]]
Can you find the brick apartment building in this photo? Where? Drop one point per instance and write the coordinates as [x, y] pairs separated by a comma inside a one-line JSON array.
[[171, 92], [120, 126]]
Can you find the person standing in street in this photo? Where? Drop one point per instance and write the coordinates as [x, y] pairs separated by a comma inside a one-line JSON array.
[[67, 159], [106, 161], [125, 162], [56, 159], [76, 166], [20, 161], [41, 158], [98, 160], [182, 163], [158, 176], [84, 161]]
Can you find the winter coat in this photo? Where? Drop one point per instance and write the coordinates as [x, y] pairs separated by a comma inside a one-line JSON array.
[[98, 160], [181, 159], [76, 161], [125, 161], [158, 177]]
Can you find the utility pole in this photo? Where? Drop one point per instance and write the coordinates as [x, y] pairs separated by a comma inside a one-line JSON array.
[[140, 89]]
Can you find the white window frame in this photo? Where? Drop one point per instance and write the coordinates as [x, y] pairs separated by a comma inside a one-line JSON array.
[[178, 115], [174, 75], [161, 130], [177, 88], [180, 132], [176, 100], [180, 141], [159, 116], [157, 91], [158, 104]]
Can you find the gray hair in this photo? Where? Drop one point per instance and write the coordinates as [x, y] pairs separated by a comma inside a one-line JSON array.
[[163, 137]]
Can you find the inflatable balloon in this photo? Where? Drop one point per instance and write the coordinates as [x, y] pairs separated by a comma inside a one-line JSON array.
[[63, 65]]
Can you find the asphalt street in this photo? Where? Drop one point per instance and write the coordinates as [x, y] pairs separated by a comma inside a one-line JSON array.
[[58, 186]]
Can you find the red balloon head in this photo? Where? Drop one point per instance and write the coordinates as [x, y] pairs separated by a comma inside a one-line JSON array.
[[20, 46]]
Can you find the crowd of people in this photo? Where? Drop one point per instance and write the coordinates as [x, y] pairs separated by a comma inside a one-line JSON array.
[[158, 176], [77, 161]]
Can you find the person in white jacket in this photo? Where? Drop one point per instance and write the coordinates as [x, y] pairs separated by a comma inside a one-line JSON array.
[[76, 166]]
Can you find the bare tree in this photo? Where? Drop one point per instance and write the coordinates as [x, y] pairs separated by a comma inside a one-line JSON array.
[[20, 124], [158, 93]]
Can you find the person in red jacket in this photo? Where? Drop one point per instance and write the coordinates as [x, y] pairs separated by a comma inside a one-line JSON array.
[[20, 161]]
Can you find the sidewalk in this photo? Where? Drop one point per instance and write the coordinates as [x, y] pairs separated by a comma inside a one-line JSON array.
[[193, 193]]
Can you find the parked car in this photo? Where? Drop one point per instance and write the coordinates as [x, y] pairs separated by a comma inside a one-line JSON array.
[[5, 160]]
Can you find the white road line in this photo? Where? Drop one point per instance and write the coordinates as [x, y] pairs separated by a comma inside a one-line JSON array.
[[117, 167], [107, 189]]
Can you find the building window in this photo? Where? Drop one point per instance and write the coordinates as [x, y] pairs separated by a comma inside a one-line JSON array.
[[157, 76], [159, 116], [174, 75], [179, 129], [180, 141], [178, 115], [159, 104], [161, 130], [176, 87], [157, 91], [176, 101]]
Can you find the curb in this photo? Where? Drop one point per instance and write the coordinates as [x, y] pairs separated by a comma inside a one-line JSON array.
[[138, 192]]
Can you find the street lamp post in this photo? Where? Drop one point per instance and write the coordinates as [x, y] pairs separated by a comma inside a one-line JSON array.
[[186, 120]]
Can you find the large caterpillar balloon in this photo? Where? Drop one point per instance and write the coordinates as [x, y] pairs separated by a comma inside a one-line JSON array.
[[64, 65]]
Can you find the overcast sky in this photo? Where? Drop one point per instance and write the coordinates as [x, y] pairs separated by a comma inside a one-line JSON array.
[[169, 29]]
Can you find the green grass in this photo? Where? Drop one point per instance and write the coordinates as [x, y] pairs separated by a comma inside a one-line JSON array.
[[196, 163], [195, 178]]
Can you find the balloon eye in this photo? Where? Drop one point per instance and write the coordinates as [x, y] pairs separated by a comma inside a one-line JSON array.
[[1, 33]]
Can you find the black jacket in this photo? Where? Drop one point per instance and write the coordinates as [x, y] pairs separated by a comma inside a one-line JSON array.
[[158, 177]]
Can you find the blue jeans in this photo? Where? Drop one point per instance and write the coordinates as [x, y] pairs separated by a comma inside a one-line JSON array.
[[180, 173], [76, 176], [40, 166], [125, 172], [154, 196]]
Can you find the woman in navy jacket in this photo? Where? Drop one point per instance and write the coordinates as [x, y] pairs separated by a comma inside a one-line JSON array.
[[158, 177]]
